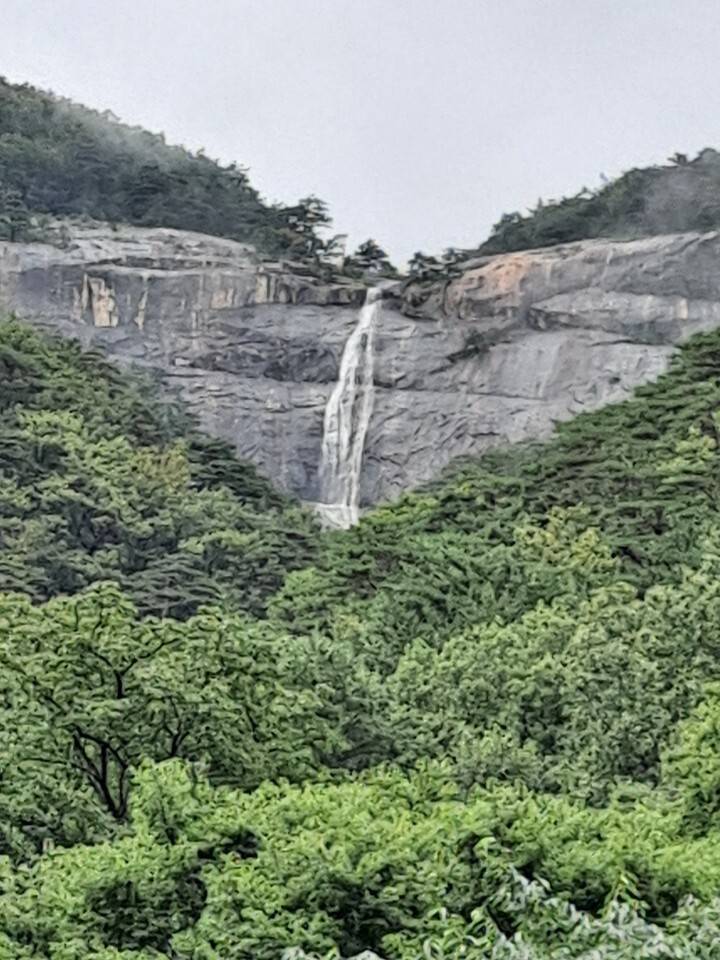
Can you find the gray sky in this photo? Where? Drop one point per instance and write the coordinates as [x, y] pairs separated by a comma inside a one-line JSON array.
[[418, 121]]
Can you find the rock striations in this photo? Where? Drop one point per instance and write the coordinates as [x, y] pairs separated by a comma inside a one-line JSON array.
[[499, 354]]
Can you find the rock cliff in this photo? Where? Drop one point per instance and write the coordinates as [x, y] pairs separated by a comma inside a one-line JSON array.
[[501, 353]]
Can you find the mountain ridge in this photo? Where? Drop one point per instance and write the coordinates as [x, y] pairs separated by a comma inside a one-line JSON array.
[[483, 722], [497, 353]]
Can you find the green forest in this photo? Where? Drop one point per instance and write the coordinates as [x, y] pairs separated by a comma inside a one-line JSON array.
[[61, 159], [483, 723], [682, 195]]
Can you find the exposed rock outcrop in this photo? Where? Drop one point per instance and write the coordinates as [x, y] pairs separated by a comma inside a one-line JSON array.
[[501, 353]]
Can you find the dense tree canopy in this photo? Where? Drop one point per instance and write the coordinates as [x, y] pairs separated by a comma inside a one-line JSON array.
[[683, 195], [100, 479], [483, 723], [63, 159]]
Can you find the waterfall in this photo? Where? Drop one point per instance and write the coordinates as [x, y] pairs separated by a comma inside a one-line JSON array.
[[347, 416]]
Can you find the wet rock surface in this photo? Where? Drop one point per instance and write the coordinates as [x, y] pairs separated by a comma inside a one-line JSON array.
[[499, 354]]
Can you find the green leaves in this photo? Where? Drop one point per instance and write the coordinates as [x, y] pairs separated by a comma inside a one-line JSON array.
[[89, 692], [101, 480], [484, 722], [644, 201], [398, 865], [60, 158]]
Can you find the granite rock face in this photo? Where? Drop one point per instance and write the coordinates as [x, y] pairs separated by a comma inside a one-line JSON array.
[[500, 354]]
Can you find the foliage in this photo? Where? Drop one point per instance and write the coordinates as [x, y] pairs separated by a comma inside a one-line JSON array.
[[370, 261], [685, 195], [423, 268], [60, 158], [644, 471], [14, 215], [403, 866], [101, 480], [483, 723], [89, 691]]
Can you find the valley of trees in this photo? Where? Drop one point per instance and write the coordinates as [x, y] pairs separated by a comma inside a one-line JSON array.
[[484, 723]]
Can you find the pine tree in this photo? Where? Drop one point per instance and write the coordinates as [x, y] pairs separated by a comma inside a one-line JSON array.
[[14, 215]]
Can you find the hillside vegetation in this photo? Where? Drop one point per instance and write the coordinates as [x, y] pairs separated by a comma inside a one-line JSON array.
[[62, 159], [102, 480], [683, 195], [59, 159], [481, 724]]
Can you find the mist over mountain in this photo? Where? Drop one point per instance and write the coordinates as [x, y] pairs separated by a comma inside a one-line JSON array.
[[62, 159]]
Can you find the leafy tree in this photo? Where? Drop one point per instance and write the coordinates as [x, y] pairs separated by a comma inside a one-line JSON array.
[[90, 691], [103, 480], [692, 761], [370, 260], [403, 866], [14, 215]]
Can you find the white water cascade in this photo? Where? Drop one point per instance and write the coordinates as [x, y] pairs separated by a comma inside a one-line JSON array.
[[347, 416]]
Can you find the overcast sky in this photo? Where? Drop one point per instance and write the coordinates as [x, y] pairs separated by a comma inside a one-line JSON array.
[[418, 121]]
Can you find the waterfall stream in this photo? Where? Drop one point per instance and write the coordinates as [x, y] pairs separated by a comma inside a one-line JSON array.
[[347, 416]]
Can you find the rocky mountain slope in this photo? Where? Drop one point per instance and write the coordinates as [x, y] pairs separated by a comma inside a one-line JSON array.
[[500, 353]]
